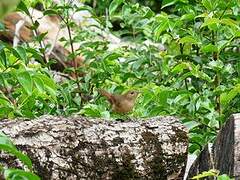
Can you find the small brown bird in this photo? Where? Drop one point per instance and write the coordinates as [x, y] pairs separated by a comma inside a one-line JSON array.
[[121, 103]]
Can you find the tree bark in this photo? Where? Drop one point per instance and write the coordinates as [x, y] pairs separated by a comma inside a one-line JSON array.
[[83, 148], [224, 155]]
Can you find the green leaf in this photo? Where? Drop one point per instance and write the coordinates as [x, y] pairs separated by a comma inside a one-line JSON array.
[[166, 3], [4, 101], [209, 173], [210, 48], [35, 54], [22, 157], [24, 78], [2, 27], [208, 4], [7, 145], [229, 22], [50, 12], [111, 56], [227, 97], [86, 8], [191, 124], [189, 17], [114, 5], [199, 73], [216, 65], [49, 85], [147, 98], [210, 21], [163, 26], [3, 58], [38, 83], [18, 174], [224, 177], [21, 6], [20, 53], [188, 39], [179, 68], [91, 110], [237, 34]]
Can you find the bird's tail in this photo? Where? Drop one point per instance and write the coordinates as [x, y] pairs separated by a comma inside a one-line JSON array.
[[108, 95]]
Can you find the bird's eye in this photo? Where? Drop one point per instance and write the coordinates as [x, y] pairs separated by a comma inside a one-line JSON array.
[[132, 92]]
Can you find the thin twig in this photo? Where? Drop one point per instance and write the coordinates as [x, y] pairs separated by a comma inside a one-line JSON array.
[[72, 50], [41, 42]]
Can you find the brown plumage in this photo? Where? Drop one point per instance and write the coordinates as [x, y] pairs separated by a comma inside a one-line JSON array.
[[121, 103]]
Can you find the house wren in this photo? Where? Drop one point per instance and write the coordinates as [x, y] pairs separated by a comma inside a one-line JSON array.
[[121, 103]]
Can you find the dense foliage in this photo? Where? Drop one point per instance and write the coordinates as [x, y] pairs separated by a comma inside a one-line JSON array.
[[183, 58]]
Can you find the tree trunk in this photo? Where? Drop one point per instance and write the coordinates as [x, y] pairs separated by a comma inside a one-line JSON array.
[[82, 148], [225, 153]]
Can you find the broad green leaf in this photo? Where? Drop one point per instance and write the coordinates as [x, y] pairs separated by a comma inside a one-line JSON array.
[[49, 85], [147, 98], [237, 34], [112, 56], [216, 65], [203, 15], [197, 138], [189, 16], [105, 114], [20, 53], [25, 79], [188, 39], [195, 71], [208, 4], [114, 5], [194, 148], [163, 97], [38, 83], [210, 21], [224, 177], [91, 110], [21, 6], [229, 22], [126, 10], [166, 3], [4, 101], [50, 12], [4, 140], [7, 145], [227, 97], [191, 124], [148, 12], [86, 8], [163, 26], [35, 54], [47, 81], [222, 44], [179, 68], [18, 174], [210, 48]]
